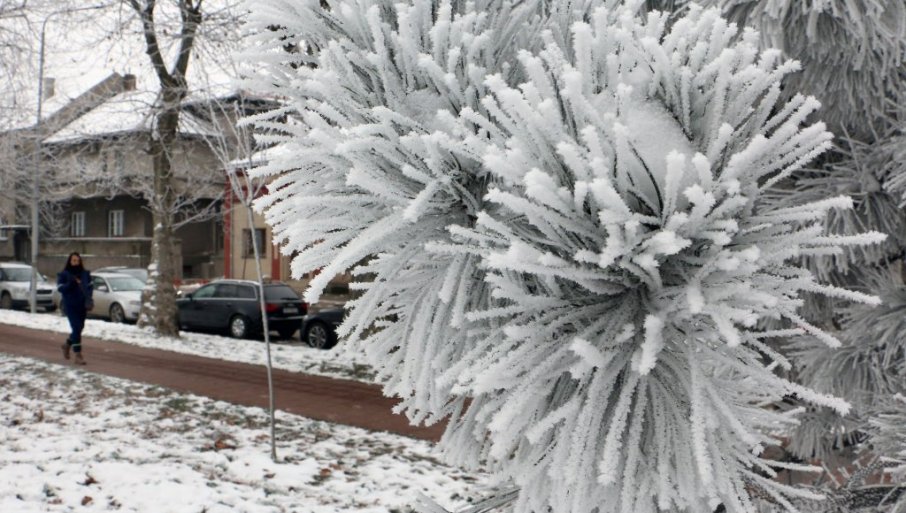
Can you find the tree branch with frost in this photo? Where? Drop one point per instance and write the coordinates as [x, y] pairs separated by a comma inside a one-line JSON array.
[[575, 175]]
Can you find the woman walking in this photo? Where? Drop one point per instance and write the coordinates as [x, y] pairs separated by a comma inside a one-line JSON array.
[[74, 283]]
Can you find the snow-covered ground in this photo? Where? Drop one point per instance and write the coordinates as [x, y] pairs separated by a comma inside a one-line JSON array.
[[76, 441], [294, 357]]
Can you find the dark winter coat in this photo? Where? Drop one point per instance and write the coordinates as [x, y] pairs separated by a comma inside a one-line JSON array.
[[77, 298]]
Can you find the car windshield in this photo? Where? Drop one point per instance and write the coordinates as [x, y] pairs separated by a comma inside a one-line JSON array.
[[17, 274], [125, 284], [277, 292]]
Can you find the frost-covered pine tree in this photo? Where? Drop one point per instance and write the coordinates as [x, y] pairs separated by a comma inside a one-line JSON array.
[[853, 53], [890, 440], [374, 173], [559, 215]]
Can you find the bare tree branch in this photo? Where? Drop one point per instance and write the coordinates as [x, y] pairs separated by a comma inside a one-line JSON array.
[[191, 18], [146, 15]]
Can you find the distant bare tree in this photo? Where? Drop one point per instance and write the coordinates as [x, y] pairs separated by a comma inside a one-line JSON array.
[[234, 145], [169, 32]]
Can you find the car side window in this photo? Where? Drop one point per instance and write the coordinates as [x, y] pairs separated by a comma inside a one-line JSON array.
[[226, 291], [245, 292], [205, 292], [97, 282]]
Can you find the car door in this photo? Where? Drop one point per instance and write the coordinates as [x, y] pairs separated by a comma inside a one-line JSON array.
[[101, 296], [195, 311], [224, 306]]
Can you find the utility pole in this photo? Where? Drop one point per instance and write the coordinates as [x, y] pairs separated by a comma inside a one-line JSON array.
[[35, 183]]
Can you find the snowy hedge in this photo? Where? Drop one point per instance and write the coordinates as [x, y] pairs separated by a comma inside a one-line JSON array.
[[558, 212]]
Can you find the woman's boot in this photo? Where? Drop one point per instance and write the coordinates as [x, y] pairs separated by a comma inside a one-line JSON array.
[[78, 359], [65, 348]]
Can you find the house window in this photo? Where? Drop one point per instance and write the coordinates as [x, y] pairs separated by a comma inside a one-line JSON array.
[[77, 224], [119, 162], [115, 220], [248, 251]]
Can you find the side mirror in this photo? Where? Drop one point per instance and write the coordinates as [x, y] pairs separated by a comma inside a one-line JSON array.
[[103, 288]]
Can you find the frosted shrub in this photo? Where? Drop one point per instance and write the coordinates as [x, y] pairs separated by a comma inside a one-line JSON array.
[[373, 173], [868, 370], [633, 262], [890, 436], [561, 216], [853, 51]]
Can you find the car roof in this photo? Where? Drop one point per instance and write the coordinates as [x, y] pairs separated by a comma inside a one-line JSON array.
[[110, 274], [15, 265], [247, 282]]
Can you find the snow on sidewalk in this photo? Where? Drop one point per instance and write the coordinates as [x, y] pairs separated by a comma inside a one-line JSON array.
[[71, 440], [334, 363]]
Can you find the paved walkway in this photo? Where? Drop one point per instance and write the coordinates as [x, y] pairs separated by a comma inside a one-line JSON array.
[[333, 400]]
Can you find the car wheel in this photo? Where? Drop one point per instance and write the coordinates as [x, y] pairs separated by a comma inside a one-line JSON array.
[[117, 314], [50, 309], [6, 301], [239, 326], [318, 336], [286, 333]]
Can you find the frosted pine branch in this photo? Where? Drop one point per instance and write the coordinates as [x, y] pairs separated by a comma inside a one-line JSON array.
[[557, 213], [629, 192]]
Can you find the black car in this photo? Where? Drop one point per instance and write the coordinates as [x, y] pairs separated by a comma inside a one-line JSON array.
[[319, 330], [233, 306]]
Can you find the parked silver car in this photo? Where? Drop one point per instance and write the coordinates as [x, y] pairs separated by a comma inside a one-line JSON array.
[[138, 273], [15, 285], [117, 296]]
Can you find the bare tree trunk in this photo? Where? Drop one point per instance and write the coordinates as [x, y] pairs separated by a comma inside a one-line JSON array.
[[159, 306]]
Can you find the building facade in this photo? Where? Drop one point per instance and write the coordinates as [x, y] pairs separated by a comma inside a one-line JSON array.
[[97, 176], [240, 235]]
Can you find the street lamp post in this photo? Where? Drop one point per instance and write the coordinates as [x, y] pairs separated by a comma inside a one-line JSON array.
[[33, 292]]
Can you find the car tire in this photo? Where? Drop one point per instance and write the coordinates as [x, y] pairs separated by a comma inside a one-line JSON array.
[[50, 309], [6, 301], [117, 314], [319, 336], [239, 326]]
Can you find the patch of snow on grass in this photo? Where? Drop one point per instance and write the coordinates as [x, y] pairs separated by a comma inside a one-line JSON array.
[[72, 440]]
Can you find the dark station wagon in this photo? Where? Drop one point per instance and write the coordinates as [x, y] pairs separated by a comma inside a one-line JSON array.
[[233, 306]]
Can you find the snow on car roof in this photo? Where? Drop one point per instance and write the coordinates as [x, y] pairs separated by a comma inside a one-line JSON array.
[[15, 265], [110, 274]]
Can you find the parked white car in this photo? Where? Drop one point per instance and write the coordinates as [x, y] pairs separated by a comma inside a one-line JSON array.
[[136, 272], [117, 296], [15, 286]]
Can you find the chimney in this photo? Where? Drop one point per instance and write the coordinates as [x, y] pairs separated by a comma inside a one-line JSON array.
[[129, 82], [48, 86]]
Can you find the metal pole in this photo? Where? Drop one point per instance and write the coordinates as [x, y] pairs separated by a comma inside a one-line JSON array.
[[247, 199], [35, 228], [267, 336]]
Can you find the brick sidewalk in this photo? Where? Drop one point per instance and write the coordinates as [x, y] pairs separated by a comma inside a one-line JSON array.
[[332, 400]]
